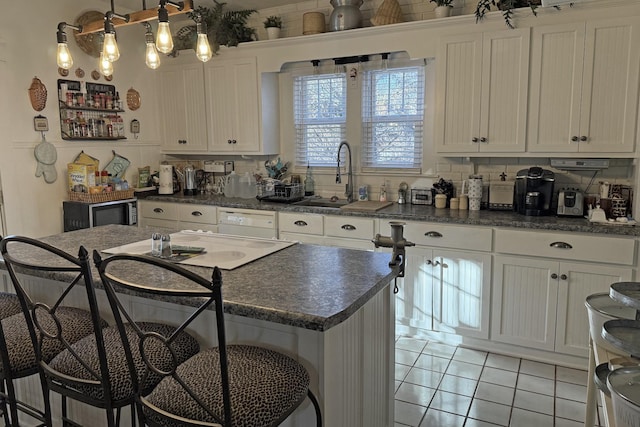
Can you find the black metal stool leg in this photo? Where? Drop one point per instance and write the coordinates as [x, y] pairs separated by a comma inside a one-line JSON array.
[[316, 405]]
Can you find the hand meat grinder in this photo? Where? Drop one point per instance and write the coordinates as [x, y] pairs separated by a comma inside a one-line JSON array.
[[397, 242]]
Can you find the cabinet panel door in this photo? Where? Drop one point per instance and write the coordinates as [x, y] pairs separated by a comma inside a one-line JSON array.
[[232, 96], [459, 77], [182, 107], [610, 86], [462, 293], [505, 81], [582, 280], [557, 53], [524, 302], [414, 301]]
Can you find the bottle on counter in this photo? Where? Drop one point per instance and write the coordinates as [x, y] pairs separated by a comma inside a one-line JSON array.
[[309, 184], [383, 193]]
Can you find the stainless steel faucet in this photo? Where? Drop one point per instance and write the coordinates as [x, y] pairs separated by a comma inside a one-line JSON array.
[[349, 188]]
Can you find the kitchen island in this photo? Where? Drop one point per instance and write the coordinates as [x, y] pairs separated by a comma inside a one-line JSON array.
[[331, 308]]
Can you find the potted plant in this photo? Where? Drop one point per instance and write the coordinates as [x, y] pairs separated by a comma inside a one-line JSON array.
[[273, 24], [506, 7], [443, 7]]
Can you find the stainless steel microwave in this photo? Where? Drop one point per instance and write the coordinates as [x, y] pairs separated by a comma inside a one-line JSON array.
[[78, 215]]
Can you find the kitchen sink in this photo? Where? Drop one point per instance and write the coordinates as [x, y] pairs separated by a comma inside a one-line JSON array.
[[322, 203]]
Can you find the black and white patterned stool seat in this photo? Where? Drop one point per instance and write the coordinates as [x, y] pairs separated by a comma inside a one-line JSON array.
[[265, 386], [9, 305], [185, 346], [76, 324]]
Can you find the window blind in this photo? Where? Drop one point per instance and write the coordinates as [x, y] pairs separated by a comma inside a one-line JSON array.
[[320, 116], [393, 118]]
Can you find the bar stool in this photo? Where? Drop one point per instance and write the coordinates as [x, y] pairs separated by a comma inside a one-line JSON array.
[[229, 385], [21, 352], [94, 369]]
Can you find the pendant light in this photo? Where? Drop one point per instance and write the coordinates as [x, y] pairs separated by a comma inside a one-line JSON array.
[[203, 48], [164, 40], [152, 58], [110, 49], [63, 56]]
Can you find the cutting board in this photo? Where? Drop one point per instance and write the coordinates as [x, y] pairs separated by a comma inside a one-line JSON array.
[[366, 206]]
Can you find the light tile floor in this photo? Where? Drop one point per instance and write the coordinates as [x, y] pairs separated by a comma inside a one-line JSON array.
[[439, 385]]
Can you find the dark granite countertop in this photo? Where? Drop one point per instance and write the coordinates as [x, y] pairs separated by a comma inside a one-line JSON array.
[[306, 286], [410, 212]]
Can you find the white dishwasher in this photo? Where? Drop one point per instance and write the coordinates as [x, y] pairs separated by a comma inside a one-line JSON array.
[[247, 222]]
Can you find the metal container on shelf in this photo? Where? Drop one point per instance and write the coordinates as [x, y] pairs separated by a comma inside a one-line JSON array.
[[346, 15], [601, 308]]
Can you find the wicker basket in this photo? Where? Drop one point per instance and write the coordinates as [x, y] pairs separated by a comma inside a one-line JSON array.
[[389, 12], [100, 197], [313, 23]]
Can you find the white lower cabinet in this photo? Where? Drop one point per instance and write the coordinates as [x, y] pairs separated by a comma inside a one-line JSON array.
[[538, 297], [177, 216], [342, 231], [446, 290]]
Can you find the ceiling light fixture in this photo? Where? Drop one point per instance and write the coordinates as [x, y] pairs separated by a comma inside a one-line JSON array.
[[152, 58], [203, 48], [63, 56], [110, 50], [164, 40]]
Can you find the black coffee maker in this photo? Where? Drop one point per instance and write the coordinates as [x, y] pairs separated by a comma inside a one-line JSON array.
[[533, 191]]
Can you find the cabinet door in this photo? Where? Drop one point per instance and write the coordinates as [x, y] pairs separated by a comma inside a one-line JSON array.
[[524, 302], [233, 100], [182, 107], [505, 80], [482, 92], [461, 293], [459, 77], [576, 282], [414, 301], [609, 105], [557, 55]]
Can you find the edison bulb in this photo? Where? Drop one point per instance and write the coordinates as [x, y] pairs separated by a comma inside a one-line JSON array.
[[64, 58], [203, 49], [164, 41], [110, 47], [106, 66], [152, 58]]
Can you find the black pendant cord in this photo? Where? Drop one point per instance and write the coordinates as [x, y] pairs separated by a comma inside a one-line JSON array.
[[395, 286]]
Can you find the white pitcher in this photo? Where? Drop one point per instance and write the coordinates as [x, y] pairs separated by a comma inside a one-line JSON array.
[[472, 188]]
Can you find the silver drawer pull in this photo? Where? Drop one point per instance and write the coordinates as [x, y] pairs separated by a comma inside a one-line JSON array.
[[348, 227], [158, 210], [196, 213], [561, 245], [432, 234], [301, 223]]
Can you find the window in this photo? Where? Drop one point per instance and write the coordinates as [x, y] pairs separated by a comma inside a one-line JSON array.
[[320, 117], [392, 118], [386, 115]]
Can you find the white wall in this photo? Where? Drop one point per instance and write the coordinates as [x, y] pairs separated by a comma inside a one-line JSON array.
[[27, 49]]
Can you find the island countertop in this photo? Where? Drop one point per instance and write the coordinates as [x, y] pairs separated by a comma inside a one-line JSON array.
[[306, 286]]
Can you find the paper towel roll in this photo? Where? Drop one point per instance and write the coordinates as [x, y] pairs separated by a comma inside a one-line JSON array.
[[166, 179]]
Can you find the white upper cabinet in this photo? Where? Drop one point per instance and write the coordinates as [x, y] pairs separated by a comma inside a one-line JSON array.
[[182, 105], [481, 90], [234, 108], [584, 87], [221, 107]]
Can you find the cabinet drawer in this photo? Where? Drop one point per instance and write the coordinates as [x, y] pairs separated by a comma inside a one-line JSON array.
[[300, 223], [445, 236], [349, 227], [201, 214], [578, 247], [159, 210]]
